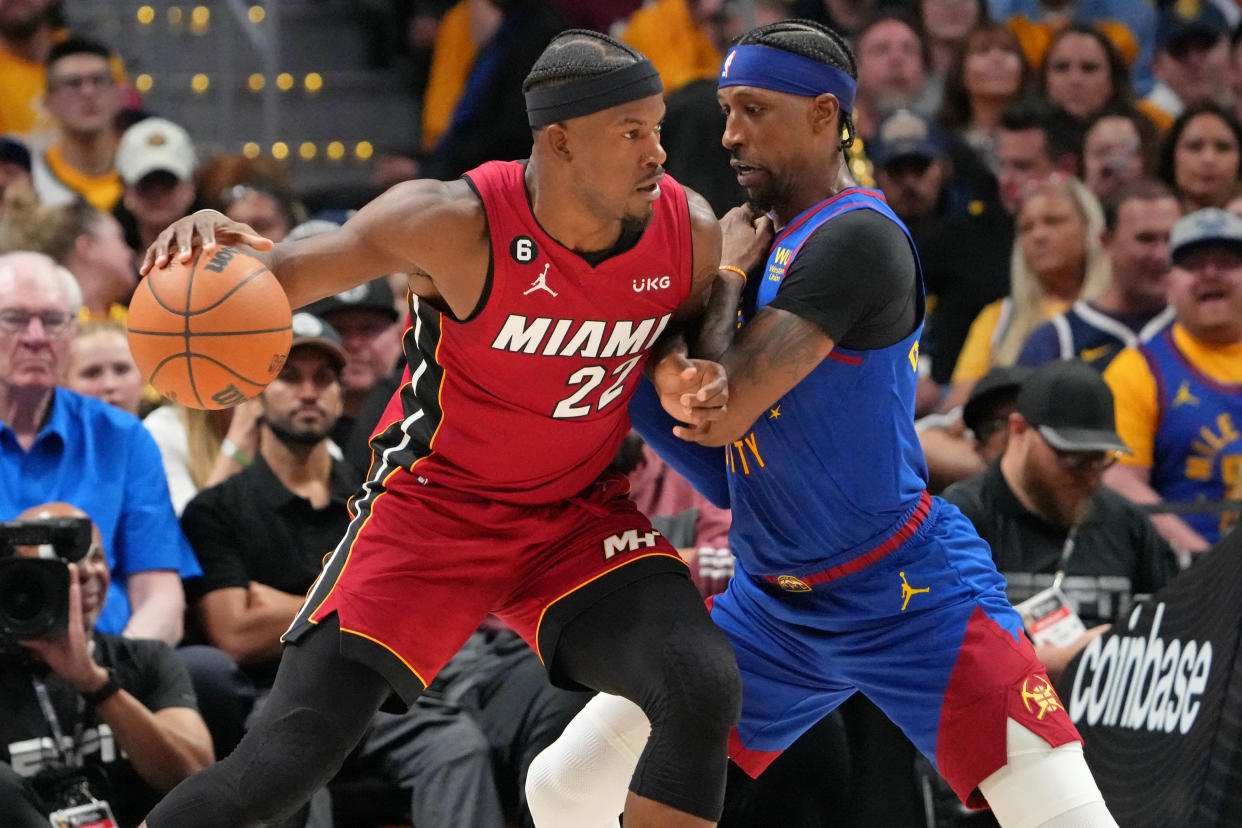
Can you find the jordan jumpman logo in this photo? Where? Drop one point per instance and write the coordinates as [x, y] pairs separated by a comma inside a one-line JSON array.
[[540, 283], [908, 592]]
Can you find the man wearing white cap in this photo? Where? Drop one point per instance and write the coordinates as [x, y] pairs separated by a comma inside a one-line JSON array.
[[1179, 395], [157, 162]]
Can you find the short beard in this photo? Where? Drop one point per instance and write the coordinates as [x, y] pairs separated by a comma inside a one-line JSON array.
[[765, 199], [1053, 509], [296, 439], [23, 28]]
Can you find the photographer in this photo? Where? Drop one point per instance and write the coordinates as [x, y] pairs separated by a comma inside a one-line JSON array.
[[87, 711]]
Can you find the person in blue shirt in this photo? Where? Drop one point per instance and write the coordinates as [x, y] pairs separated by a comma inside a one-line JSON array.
[[59, 445], [849, 577]]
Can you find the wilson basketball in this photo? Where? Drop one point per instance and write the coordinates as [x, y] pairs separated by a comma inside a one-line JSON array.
[[212, 332]]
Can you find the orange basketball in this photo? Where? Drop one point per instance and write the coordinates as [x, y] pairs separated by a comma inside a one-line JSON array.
[[212, 332]]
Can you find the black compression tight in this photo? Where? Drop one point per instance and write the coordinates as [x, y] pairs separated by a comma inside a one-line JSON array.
[[319, 708], [652, 642]]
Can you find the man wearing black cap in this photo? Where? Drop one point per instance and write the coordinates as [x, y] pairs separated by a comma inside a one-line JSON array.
[[1179, 395], [912, 169], [1044, 512], [540, 290], [366, 318], [1192, 59]]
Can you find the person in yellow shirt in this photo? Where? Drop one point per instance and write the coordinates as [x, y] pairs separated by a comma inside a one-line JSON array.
[[84, 96], [1057, 259], [1179, 395]]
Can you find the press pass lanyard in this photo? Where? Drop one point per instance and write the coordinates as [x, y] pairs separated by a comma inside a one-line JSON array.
[[70, 756], [1066, 551]]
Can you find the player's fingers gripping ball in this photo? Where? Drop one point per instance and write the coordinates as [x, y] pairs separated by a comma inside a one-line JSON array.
[[211, 332]]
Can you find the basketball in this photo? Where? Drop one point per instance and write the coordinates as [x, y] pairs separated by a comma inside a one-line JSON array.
[[212, 332]]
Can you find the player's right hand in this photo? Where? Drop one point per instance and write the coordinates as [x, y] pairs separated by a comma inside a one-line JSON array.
[[208, 228]]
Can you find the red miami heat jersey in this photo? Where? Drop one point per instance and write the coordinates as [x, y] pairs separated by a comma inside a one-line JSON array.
[[525, 401]]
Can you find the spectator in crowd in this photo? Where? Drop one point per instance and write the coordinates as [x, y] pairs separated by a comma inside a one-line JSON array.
[[1083, 74], [156, 162], [57, 443], [85, 98], [947, 25], [913, 170], [1057, 259], [966, 261], [892, 70], [1235, 71], [1201, 157], [261, 536], [27, 32], [473, 109], [268, 208], [14, 168], [123, 710], [1191, 64], [1179, 403], [1047, 517], [87, 241], [101, 366], [1117, 147], [987, 75], [202, 447], [1132, 309], [963, 442], [370, 328]]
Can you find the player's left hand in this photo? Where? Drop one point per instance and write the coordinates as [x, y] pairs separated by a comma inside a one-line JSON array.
[[747, 238], [695, 391]]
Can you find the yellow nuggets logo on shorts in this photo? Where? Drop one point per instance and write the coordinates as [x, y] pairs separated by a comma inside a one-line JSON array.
[[1038, 693]]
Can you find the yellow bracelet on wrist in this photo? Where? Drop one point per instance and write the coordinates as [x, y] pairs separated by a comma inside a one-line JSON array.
[[736, 270]]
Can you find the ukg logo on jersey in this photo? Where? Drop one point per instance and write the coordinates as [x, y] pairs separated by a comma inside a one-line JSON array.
[[1141, 683]]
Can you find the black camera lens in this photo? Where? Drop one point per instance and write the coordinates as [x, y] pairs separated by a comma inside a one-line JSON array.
[[34, 598], [23, 595]]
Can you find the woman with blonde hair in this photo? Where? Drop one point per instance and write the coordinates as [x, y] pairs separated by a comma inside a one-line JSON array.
[[1057, 259], [201, 448]]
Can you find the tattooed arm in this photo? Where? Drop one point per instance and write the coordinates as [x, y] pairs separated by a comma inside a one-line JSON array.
[[853, 283]]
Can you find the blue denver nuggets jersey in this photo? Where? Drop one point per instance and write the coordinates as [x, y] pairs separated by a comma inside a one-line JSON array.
[[1198, 448], [1086, 333], [835, 467]]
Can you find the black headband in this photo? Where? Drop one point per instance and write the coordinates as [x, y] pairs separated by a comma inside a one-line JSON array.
[[560, 102]]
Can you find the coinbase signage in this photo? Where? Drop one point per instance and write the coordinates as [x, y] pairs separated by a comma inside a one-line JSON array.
[[1158, 700]]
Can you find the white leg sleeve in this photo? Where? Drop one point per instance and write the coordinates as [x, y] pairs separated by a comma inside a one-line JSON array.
[[581, 779], [1044, 787]]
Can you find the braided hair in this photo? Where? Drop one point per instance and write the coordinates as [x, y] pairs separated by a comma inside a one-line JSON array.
[[578, 53], [810, 40]]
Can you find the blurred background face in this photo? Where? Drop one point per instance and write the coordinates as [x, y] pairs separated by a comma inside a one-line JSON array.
[[1023, 159], [949, 19], [109, 258], [20, 18], [262, 212], [101, 366], [1138, 248], [1205, 288], [1195, 68], [890, 64], [372, 344], [1205, 160], [1051, 233], [159, 198], [82, 94], [1111, 154], [912, 185], [992, 67], [1061, 496], [1076, 74]]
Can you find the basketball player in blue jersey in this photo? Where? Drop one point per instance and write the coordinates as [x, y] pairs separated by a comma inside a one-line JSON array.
[[850, 577]]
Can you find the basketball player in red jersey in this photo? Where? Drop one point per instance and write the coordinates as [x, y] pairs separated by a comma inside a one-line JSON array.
[[540, 290]]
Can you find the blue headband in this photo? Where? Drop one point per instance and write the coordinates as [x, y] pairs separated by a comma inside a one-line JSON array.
[[781, 71]]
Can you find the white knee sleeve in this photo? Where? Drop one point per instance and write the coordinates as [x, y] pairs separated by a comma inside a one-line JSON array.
[[1044, 787], [581, 779]]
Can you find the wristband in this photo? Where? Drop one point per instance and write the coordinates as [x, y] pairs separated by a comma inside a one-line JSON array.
[[229, 449], [736, 270], [109, 689]]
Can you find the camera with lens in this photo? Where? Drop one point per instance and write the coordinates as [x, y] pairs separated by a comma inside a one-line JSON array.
[[34, 592]]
